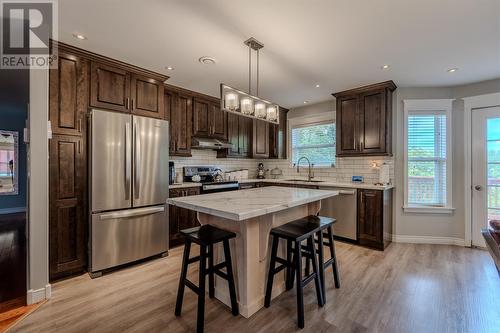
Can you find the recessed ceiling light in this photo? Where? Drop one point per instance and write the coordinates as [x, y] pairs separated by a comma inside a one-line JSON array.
[[386, 67], [207, 60], [305, 102], [452, 70], [170, 68], [79, 36], [317, 86]]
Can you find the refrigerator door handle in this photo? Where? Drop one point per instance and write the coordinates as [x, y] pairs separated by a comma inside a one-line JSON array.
[[137, 166], [133, 213], [128, 162]]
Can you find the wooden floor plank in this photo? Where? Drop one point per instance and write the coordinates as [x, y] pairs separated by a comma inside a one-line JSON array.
[[407, 288]]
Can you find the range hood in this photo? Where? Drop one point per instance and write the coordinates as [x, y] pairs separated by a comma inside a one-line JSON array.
[[209, 143]]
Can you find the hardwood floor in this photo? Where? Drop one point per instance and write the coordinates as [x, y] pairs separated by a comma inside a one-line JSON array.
[[407, 288]]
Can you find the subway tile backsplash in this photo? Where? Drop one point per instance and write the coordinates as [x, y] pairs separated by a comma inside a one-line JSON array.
[[345, 168]]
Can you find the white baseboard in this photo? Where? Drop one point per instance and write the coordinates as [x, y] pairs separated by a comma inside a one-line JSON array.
[[428, 240], [38, 295]]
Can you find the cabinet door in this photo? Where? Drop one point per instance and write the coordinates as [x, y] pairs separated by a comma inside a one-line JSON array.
[[109, 87], [370, 223], [218, 120], [260, 139], [68, 95], [168, 107], [67, 208], [372, 122], [201, 118], [175, 237], [277, 137], [183, 115], [146, 96], [233, 133], [245, 128], [347, 126], [192, 216]]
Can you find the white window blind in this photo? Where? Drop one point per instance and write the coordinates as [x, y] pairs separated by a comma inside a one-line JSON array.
[[427, 159], [314, 141]]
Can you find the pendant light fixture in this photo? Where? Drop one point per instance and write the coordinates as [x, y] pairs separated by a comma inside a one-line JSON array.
[[246, 104]]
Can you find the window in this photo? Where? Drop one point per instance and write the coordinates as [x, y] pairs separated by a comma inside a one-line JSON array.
[[427, 154], [314, 141]]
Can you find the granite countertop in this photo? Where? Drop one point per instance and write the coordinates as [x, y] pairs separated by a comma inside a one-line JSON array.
[[242, 205], [322, 183]]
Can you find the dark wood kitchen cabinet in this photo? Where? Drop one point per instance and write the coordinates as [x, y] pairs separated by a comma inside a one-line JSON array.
[[181, 218], [179, 113], [239, 134], [278, 136], [374, 218], [364, 120], [260, 139], [68, 222], [209, 120], [68, 91], [116, 88]]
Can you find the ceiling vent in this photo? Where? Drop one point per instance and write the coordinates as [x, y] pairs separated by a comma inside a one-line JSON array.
[[207, 60]]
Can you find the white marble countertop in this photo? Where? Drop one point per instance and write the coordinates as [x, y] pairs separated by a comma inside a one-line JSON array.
[[322, 183], [245, 204]]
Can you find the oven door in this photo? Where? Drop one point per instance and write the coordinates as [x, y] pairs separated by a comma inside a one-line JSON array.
[[213, 188]]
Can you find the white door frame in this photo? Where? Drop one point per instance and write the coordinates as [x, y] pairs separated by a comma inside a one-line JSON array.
[[471, 104]]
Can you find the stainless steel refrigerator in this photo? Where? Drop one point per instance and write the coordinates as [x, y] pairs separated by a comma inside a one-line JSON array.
[[128, 189]]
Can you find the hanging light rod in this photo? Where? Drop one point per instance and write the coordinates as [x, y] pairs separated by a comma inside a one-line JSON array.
[[236, 101]]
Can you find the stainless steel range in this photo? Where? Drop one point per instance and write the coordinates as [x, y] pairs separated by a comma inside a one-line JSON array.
[[211, 178]]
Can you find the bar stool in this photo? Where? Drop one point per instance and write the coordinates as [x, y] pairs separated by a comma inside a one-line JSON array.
[[325, 224], [206, 236], [295, 232]]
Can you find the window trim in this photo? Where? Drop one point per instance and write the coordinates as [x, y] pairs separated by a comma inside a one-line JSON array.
[[304, 121], [429, 106]]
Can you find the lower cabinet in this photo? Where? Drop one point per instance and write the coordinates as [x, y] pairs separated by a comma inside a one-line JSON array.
[[68, 223], [374, 218], [181, 218]]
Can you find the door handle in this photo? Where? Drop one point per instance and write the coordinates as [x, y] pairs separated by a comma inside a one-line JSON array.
[[132, 104], [478, 188], [128, 162], [134, 212], [137, 166], [127, 102]]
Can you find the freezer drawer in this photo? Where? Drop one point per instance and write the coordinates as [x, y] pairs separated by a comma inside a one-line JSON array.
[[120, 237]]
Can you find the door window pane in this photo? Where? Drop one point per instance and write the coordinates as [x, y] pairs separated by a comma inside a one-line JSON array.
[[493, 165]]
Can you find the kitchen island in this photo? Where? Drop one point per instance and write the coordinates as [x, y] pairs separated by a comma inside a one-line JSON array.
[[251, 214]]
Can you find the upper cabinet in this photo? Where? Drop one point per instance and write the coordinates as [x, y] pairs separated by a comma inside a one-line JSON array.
[[208, 119], [278, 136], [364, 120], [118, 89], [69, 95], [260, 140], [239, 133], [179, 113]]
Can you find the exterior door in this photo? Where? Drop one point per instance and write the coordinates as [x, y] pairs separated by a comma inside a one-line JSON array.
[[485, 170]]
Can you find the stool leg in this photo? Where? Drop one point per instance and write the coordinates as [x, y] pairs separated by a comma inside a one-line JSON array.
[[211, 283], [201, 296], [321, 263], [182, 279], [289, 271], [308, 266], [317, 280], [300, 286], [336, 276], [230, 278], [270, 273]]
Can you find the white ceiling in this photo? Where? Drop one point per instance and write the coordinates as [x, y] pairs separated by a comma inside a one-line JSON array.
[[339, 44]]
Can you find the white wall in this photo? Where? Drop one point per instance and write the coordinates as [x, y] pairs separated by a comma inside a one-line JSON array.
[[38, 240], [451, 226]]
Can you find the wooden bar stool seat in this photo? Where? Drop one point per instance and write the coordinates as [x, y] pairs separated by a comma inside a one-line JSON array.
[[206, 236], [294, 233]]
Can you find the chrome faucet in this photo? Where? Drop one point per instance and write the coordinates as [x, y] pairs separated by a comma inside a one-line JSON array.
[[310, 174]]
